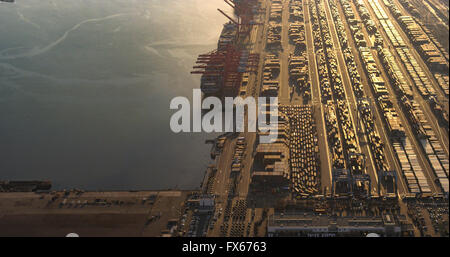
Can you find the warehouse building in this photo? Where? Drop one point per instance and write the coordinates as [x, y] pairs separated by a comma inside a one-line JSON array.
[[309, 225]]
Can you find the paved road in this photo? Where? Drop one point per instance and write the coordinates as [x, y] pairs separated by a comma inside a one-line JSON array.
[[351, 99], [379, 127], [441, 96], [325, 159], [441, 132], [284, 94], [256, 44], [409, 133]]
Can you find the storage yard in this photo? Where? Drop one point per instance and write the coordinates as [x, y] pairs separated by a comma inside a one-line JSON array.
[[363, 122]]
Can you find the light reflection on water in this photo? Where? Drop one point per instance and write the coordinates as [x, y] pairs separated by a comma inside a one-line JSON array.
[[85, 88]]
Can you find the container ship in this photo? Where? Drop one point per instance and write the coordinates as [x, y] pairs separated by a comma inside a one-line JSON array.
[[24, 186], [228, 35], [213, 65], [222, 68]]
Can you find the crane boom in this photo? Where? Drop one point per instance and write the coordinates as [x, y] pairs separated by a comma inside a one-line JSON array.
[[226, 15]]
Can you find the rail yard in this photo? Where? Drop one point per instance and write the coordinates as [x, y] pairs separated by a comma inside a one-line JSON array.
[[363, 121]]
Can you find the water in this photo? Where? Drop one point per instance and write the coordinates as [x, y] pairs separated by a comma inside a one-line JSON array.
[[85, 88]]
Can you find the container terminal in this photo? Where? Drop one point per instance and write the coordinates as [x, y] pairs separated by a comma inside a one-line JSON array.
[[362, 147]]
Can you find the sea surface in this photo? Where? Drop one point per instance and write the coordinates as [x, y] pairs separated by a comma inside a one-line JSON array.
[[85, 87]]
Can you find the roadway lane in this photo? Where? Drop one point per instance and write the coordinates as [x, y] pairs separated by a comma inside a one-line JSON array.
[[325, 159], [379, 127], [284, 94], [409, 133], [380, 118], [350, 97], [257, 46], [222, 181], [441, 132], [439, 91]]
